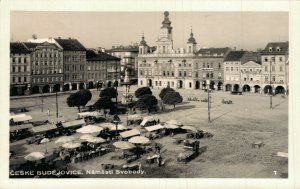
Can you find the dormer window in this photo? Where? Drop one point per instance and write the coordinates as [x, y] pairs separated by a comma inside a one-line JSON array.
[[270, 49], [278, 49]]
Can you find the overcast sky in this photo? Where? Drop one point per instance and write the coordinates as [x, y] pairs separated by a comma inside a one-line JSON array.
[[244, 30]]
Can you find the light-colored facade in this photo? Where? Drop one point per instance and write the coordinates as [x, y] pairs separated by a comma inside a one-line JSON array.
[[128, 56], [233, 80], [47, 68], [20, 69], [274, 67], [251, 77], [166, 66], [74, 59], [101, 69]]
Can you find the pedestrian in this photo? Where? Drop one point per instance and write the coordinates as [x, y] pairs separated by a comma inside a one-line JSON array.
[[48, 112], [159, 160]]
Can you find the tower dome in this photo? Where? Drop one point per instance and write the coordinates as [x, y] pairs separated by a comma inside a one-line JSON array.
[[192, 39], [166, 23], [143, 42]]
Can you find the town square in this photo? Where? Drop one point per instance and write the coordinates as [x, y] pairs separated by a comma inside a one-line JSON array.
[[151, 111]]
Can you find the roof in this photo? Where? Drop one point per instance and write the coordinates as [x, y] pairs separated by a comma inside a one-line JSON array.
[[252, 63], [192, 39], [70, 44], [31, 45], [124, 49], [276, 48], [43, 128], [18, 48], [212, 51], [19, 127], [234, 56], [99, 56], [75, 123], [130, 133]]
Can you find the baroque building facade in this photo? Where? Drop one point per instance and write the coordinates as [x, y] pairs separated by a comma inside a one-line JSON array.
[[185, 68]]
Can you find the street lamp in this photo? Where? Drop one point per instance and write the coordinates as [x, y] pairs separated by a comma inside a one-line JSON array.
[[116, 121], [208, 99], [126, 82]]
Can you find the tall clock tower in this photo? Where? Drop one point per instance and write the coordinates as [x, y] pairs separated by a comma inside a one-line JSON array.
[[165, 40]]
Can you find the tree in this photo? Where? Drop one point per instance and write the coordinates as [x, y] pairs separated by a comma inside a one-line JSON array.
[[172, 98], [80, 98], [110, 92], [164, 91], [142, 91], [147, 102], [104, 103]]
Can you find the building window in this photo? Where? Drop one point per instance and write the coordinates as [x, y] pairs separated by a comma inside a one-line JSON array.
[[273, 78], [19, 79], [250, 70], [172, 83], [179, 65], [251, 79], [173, 73], [266, 78], [207, 75], [180, 74], [273, 68], [164, 73], [227, 69], [190, 84], [219, 65], [281, 68], [203, 65], [245, 79], [13, 69], [184, 73], [159, 83], [14, 79], [266, 68], [196, 75], [156, 83], [168, 73], [231, 68], [141, 82], [266, 59], [211, 75], [237, 68]]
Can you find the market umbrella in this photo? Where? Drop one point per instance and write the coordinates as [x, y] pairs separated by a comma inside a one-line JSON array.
[[171, 126], [189, 128], [89, 129], [44, 141], [120, 127], [95, 140], [123, 145], [85, 137], [106, 125], [34, 156], [174, 122], [139, 140], [65, 139], [71, 145]]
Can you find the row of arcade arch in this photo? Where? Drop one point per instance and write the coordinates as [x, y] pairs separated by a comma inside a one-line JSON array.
[[268, 89]]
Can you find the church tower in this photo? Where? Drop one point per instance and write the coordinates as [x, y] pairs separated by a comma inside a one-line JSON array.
[[143, 47], [191, 44], [165, 40]]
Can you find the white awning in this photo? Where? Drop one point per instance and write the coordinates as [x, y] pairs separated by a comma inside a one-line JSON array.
[[22, 118], [130, 133], [154, 127]]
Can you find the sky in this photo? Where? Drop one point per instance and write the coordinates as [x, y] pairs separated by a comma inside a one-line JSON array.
[[243, 30]]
